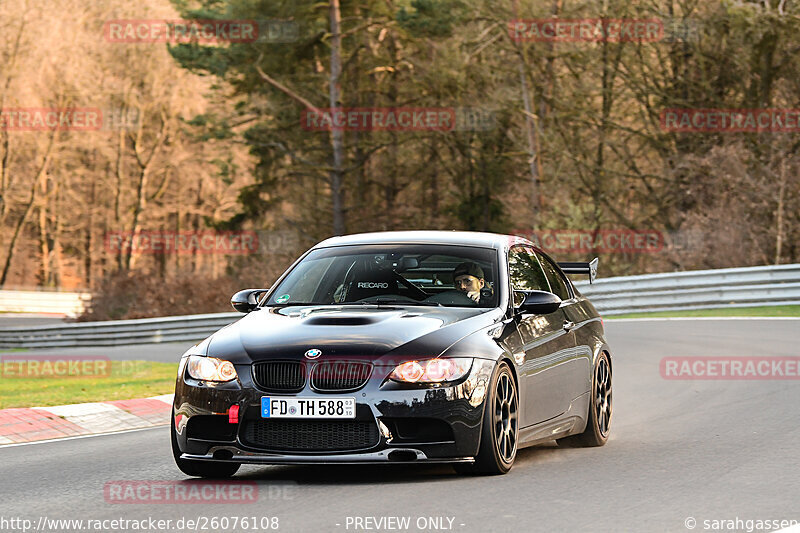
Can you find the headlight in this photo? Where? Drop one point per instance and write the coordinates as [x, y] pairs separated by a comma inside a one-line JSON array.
[[432, 370], [210, 369]]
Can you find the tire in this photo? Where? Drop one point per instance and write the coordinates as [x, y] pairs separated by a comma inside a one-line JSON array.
[[208, 469], [500, 429], [598, 419]]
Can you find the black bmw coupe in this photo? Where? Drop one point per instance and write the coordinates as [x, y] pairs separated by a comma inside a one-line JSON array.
[[405, 347]]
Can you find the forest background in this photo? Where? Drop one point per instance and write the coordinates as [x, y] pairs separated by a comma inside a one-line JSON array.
[[551, 135]]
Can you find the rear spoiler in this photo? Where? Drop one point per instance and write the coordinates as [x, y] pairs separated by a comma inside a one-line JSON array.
[[589, 268]]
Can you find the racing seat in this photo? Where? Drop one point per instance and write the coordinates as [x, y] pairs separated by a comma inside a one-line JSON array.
[[368, 282]]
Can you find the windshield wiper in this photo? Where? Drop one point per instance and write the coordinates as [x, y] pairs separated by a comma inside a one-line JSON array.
[[291, 304], [378, 301], [395, 301]]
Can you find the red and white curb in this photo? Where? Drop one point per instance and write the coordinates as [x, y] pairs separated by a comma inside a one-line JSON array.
[[44, 423]]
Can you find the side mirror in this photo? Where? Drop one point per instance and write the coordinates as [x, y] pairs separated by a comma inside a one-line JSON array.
[[536, 302], [246, 300]]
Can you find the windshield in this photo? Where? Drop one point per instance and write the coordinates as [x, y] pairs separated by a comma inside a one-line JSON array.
[[411, 274]]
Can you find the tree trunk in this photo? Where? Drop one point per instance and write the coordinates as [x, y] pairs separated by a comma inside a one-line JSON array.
[[337, 137], [392, 188], [530, 125], [44, 246], [4, 161], [118, 192], [5, 184], [434, 184], [137, 212], [779, 221], [28, 208], [144, 174], [196, 226], [55, 249], [88, 243]]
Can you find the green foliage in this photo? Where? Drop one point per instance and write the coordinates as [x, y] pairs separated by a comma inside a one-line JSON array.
[[204, 60], [431, 18], [604, 159]]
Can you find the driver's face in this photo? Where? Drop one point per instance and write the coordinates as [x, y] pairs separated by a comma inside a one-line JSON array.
[[467, 283]]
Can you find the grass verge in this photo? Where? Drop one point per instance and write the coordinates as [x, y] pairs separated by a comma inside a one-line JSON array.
[[126, 380]]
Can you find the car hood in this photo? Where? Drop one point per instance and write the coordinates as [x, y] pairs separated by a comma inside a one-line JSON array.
[[347, 331]]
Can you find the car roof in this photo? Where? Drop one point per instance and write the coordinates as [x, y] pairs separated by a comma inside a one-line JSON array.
[[465, 238]]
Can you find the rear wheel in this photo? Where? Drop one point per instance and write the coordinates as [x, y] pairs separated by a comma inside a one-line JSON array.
[[500, 431], [599, 416], [190, 467]]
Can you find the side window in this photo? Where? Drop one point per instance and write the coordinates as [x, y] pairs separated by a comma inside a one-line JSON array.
[[557, 283], [525, 272]]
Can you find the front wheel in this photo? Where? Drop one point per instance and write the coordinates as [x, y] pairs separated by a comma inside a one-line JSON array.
[[500, 431], [598, 419], [190, 467]]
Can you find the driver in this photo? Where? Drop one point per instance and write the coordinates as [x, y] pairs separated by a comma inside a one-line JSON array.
[[468, 278]]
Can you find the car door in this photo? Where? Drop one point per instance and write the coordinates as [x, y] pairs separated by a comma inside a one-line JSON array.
[[543, 341], [574, 363]]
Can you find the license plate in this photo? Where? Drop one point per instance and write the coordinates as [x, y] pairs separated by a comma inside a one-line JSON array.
[[308, 407]]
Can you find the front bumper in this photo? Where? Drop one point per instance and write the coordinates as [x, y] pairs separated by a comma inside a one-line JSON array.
[[433, 425], [389, 455]]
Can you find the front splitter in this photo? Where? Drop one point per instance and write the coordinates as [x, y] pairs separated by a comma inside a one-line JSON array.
[[235, 455]]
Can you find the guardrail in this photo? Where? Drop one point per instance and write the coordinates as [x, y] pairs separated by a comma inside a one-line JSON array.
[[188, 328], [56, 303], [700, 289], [697, 289]]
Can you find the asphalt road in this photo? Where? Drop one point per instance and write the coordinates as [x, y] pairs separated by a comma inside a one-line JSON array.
[[167, 352], [679, 450], [22, 320]]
